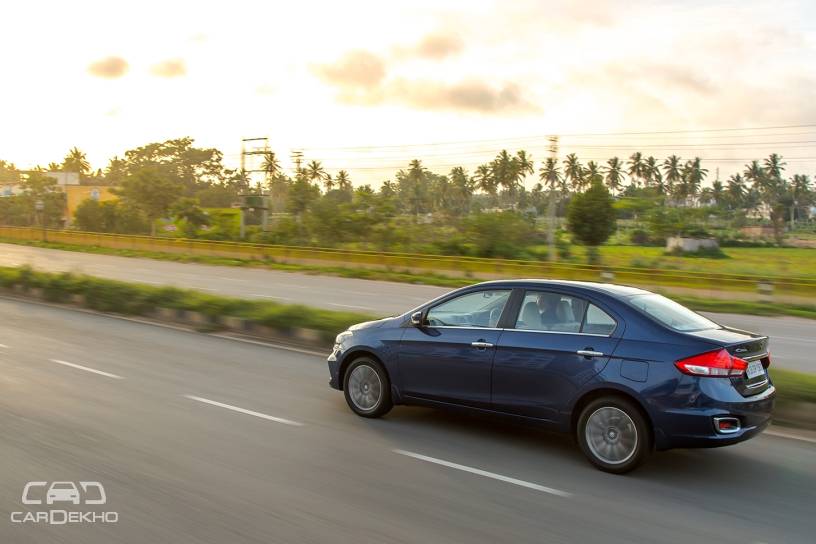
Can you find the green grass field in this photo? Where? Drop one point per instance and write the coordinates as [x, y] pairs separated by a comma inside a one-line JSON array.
[[772, 261]]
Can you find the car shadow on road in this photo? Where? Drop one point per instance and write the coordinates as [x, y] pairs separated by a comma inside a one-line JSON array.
[[442, 431]]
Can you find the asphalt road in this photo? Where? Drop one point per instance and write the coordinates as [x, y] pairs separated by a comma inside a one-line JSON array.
[[201, 439], [792, 339]]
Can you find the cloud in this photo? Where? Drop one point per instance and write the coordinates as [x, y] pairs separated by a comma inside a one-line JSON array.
[[438, 46], [360, 77], [169, 68], [355, 70], [109, 68], [469, 95]]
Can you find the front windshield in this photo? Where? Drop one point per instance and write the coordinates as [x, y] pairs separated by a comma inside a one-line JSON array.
[[672, 314]]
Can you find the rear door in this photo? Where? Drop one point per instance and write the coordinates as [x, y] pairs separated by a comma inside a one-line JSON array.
[[449, 358], [548, 354]]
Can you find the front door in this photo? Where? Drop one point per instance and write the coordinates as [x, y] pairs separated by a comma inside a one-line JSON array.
[[449, 358]]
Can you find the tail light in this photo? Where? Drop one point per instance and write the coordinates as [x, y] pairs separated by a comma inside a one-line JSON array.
[[718, 363]]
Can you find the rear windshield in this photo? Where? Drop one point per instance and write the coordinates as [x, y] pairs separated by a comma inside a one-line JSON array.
[[671, 313]]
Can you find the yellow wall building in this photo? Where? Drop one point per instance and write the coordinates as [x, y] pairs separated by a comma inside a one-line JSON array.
[[76, 194]]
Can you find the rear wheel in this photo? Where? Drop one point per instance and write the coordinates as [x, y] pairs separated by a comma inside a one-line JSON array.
[[613, 434], [367, 388]]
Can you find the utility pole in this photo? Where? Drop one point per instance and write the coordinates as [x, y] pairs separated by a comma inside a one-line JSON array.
[[551, 255], [245, 154], [297, 159], [39, 205]]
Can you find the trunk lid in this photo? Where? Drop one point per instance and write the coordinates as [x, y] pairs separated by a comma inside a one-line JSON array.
[[748, 346]]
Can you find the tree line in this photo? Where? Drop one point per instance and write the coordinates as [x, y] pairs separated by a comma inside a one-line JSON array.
[[310, 205]]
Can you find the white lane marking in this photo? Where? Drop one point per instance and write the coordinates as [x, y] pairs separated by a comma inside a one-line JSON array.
[[244, 411], [225, 278], [791, 436], [273, 296], [484, 473], [350, 306], [86, 369], [228, 336], [3, 346]]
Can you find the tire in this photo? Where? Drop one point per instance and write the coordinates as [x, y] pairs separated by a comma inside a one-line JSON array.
[[367, 388], [614, 435]]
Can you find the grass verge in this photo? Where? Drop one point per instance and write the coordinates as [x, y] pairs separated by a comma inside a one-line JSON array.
[[137, 299]]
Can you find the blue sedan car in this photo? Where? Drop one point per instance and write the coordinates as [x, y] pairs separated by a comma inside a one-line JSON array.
[[627, 371]]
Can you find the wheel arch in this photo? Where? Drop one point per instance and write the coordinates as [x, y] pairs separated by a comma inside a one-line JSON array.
[[599, 392], [355, 354]]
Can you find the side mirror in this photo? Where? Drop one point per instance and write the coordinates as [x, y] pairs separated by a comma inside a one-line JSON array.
[[416, 319]]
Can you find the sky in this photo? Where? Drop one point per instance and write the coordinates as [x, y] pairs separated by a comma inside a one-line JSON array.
[[367, 86]]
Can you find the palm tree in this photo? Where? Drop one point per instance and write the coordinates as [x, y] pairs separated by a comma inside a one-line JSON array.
[[574, 172], [485, 180], [550, 174], [76, 161], [651, 174], [801, 193], [506, 172], [614, 174], [524, 164], [755, 174], [461, 190], [774, 166], [717, 192], [271, 166], [343, 181], [636, 167], [592, 172], [673, 171], [315, 171], [695, 174], [328, 182]]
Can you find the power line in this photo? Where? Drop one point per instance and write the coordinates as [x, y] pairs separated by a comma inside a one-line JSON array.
[[568, 135]]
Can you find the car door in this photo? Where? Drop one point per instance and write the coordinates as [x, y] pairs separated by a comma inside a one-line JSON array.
[[449, 357], [556, 344]]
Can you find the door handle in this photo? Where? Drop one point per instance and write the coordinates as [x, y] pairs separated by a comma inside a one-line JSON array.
[[481, 345], [589, 353]]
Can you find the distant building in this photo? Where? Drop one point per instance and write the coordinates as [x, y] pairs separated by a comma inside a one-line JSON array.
[[68, 183], [15, 187], [77, 194]]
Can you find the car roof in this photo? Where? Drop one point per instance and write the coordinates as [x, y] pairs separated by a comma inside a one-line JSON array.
[[615, 290]]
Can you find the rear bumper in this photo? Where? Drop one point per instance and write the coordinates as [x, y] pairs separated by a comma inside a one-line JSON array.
[[693, 427]]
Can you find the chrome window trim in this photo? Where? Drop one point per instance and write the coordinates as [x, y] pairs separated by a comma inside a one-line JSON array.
[[519, 330], [564, 332], [474, 328]]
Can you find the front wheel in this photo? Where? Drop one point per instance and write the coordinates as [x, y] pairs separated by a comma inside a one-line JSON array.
[[367, 388], [613, 434]]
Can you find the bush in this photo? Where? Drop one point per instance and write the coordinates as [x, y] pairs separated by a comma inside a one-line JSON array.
[[504, 235], [640, 237]]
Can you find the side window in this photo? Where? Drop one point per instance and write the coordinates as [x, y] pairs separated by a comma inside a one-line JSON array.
[[598, 322], [546, 311], [479, 309]]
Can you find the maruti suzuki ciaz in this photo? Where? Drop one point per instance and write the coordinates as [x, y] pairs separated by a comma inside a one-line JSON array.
[[625, 370]]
